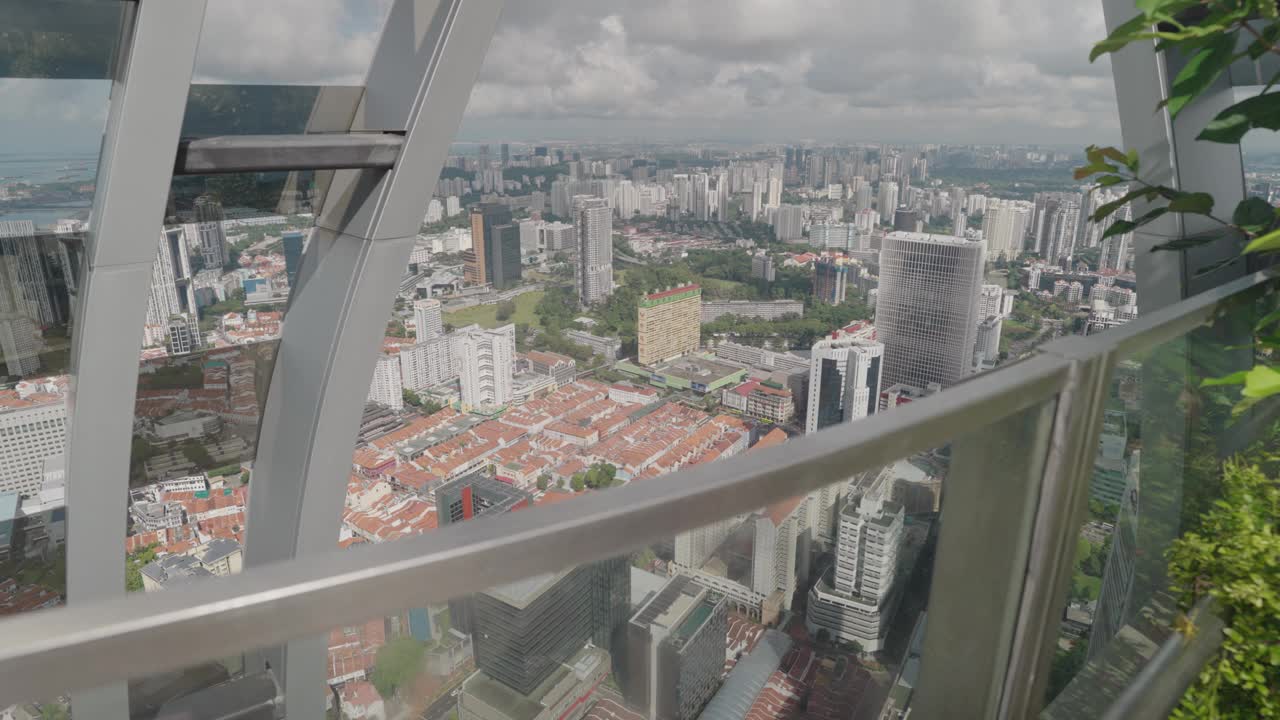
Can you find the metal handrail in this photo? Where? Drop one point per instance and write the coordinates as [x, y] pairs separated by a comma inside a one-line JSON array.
[[48, 652], [44, 653]]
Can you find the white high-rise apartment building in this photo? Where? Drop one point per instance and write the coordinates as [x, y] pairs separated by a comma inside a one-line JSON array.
[[861, 195], [865, 220], [1062, 226], [757, 200], [31, 432], [887, 202], [927, 307], [788, 222], [975, 204], [856, 601], [775, 191], [529, 236], [430, 362], [593, 268], [172, 292], [626, 198], [487, 367], [1004, 224], [452, 206], [987, 346], [428, 318], [386, 388], [993, 300]]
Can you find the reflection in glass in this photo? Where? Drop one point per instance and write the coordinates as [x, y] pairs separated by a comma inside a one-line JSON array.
[[1157, 471], [38, 274]]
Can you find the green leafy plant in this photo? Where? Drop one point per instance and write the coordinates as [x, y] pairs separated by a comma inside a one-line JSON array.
[[1208, 33], [1234, 558]]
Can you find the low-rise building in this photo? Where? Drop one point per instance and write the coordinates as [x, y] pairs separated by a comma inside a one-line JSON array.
[[606, 347], [713, 310]]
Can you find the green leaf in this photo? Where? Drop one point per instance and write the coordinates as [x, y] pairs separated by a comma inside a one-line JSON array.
[[1119, 227], [1200, 72], [1124, 34], [1187, 242], [1132, 157], [1236, 378], [1269, 318], [1253, 214], [1113, 154], [1270, 34], [1151, 7], [1265, 243], [1198, 203], [1109, 180], [1262, 381], [1093, 168], [1105, 210], [1261, 111]]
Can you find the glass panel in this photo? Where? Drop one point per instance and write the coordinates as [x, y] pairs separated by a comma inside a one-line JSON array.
[[55, 60], [59, 39], [812, 604], [244, 41], [1159, 469]]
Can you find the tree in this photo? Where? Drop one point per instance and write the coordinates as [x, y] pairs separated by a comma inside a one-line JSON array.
[[411, 398], [506, 309], [579, 482], [197, 453], [1207, 33], [397, 662], [544, 480], [823, 636], [134, 562]]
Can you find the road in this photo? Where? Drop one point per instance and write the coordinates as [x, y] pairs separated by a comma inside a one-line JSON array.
[[439, 708]]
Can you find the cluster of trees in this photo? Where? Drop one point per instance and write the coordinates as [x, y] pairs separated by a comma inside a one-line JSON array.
[[398, 662], [790, 331], [597, 477], [133, 564], [505, 310]]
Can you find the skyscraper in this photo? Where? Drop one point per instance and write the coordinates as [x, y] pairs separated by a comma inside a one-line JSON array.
[[183, 334], [293, 241], [775, 191], [844, 380], [427, 318], [830, 282], [887, 202], [484, 218], [488, 359], [757, 200], [26, 273], [207, 232], [674, 652], [1004, 225], [927, 307], [171, 290], [669, 324], [593, 267]]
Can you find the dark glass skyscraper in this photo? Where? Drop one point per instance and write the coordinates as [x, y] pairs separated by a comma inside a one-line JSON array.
[[292, 242]]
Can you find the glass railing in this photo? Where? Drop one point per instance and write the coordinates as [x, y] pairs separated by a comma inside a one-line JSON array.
[[901, 587]]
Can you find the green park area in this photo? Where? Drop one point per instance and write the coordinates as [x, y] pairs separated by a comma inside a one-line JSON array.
[[518, 311]]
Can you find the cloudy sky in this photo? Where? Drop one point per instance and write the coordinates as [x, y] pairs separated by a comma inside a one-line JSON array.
[[759, 70]]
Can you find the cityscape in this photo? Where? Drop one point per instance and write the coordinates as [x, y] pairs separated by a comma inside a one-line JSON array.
[[575, 317]]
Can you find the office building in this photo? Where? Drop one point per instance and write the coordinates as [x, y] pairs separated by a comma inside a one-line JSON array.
[[524, 630], [927, 307], [845, 374], [1004, 226], [830, 281], [788, 222], [668, 324], [887, 201], [387, 388], [674, 651], [474, 495], [488, 244], [762, 267], [34, 432], [560, 367], [293, 242], [428, 318], [593, 266], [487, 367], [855, 601]]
